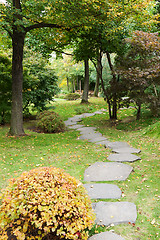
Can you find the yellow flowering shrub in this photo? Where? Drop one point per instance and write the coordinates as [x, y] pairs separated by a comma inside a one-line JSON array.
[[45, 203]]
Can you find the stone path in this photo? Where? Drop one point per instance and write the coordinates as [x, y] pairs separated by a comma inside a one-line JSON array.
[[103, 191], [107, 213], [107, 171]]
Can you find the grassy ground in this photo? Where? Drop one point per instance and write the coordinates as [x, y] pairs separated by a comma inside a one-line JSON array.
[[65, 151]]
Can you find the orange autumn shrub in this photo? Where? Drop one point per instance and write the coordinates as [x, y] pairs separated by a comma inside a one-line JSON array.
[[45, 203]]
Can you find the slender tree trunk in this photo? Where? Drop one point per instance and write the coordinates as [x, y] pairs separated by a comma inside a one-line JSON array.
[[77, 83], [114, 111], [138, 112], [109, 109], [98, 69], [114, 83], [17, 84], [68, 84], [86, 83], [80, 86], [74, 86]]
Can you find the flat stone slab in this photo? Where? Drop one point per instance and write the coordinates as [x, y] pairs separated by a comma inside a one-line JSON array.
[[69, 123], [90, 135], [76, 118], [123, 157], [75, 126], [117, 145], [97, 139], [106, 236], [108, 213], [107, 171], [98, 112], [86, 129], [126, 150], [88, 114], [103, 143], [103, 191]]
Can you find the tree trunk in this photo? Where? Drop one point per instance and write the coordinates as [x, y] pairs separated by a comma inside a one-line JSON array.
[[109, 109], [67, 84], [80, 86], [96, 89], [138, 112], [17, 84], [77, 83], [74, 86], [86, 83], [114, 108], [114, 83]]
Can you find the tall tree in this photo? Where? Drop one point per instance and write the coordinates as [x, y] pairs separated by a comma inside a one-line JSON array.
[[20, 17]]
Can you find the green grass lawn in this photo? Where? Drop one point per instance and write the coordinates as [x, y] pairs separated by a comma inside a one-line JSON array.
[[63, 150]]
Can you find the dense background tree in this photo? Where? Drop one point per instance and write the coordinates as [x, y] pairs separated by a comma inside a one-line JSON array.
[[5, 87], [139, 68], [39, 87], [40, 82]]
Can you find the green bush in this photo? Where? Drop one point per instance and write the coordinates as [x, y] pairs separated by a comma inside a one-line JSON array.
[[5, 87], [45, 203], [72, 96], [83, 109], [50, 122]]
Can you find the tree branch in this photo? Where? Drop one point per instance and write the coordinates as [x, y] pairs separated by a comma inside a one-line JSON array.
[[9, 32], [111, 65], [55, 50], [49, 25]]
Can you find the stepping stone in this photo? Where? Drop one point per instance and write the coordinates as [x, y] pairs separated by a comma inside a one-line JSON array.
[[90, 135], [104, 110], [123, 157], [88, 132], [117, 145], [107, 171], [86, 129], [108, 213], [103, 143], [98, 112], [126, 150], [76, 118], [106, 236], [88, 114], [69, 123], [103, 191], [97, 139], [75, 126]]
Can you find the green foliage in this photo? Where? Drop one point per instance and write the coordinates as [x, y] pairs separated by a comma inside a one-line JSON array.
[[83, 109], [50, 122], [5, 88], [44, 203], [40, 82], [68, 72], [39, 87], [153, 130], [139, 68], [72, 96]]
